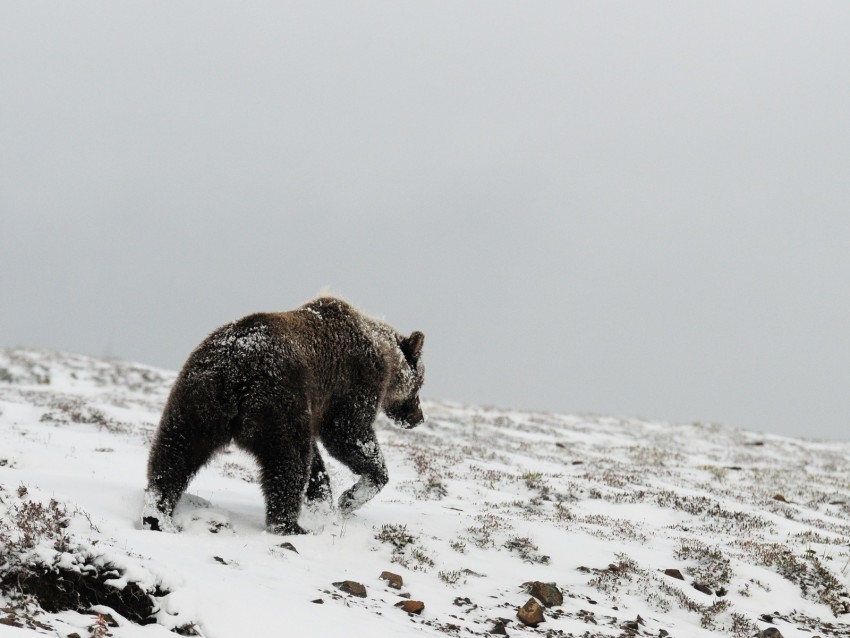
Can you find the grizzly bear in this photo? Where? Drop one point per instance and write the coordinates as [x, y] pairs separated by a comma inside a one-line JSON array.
[[275, 384]]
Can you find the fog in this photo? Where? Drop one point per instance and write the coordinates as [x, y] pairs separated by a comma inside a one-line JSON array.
[[636, 209]]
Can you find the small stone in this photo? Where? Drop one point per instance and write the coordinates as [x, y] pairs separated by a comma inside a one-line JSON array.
[[318, 601], [674, 573], [289, 546], [663, 633], [74, 635], [393, 580], [531, 613], [702, 588], [770, 632], [411, 606], [722, 592], [351, 587], [546, 593], [780, 498]]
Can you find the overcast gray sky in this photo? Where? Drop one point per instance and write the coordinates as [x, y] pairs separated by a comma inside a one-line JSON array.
[[630, 208]]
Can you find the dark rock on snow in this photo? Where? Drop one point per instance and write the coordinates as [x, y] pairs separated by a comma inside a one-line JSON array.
[[393, 580], [411, 606], [351, 587], [702, 588], [546, 593], [499, 629], [531, 613]]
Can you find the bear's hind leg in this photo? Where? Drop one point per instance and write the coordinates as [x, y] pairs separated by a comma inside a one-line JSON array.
[[284, 471], [319, 485], [177, 453]]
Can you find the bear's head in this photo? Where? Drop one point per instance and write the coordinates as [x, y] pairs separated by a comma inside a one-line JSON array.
[[401, 402]]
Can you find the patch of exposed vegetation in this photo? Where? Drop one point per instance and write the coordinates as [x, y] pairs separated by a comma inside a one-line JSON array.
[[709, 565], [407, 552], [44, 565]]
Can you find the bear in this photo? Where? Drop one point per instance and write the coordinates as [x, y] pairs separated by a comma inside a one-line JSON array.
[[275, 384]]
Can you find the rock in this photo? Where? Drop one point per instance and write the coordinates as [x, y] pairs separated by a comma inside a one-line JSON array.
[[770, 632], [702, 588], [674, 573], [289, 546], [393, 580], [780, 498], [469, 572], [546, 593], [74, 635], [318, 601], [499, 629], [531, 613], [351, 587], [722, 592], [411, 606]]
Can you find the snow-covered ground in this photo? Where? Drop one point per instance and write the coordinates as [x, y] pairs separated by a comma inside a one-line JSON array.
[[480, 501]]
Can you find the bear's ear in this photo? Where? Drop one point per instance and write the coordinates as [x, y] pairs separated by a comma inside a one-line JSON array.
[[412, 346]]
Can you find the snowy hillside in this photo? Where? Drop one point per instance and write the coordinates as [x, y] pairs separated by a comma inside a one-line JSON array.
[[645, 529]]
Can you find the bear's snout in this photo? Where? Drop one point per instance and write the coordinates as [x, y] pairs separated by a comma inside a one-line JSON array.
[[407, 415], [416, 418]]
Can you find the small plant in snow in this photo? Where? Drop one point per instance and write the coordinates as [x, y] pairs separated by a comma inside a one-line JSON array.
[[713, 569], [404, 552], [610, 580], [526, 549], [395, 535], [482, 535], [741, 626], [450, 577], [33, 522], [100, 628], [533, 480], [458, 546]]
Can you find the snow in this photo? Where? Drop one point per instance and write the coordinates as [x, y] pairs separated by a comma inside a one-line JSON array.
[[482, 499]]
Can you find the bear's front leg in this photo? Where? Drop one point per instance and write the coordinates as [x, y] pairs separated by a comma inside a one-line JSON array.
[[362, 456]]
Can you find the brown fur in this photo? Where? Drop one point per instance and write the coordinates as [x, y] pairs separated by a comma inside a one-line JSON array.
[[275, 384]]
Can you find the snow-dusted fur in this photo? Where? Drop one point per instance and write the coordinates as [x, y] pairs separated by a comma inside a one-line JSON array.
[[275, 384]]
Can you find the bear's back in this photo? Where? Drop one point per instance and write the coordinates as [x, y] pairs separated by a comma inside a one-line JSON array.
[[324, 348], [337, 342]]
